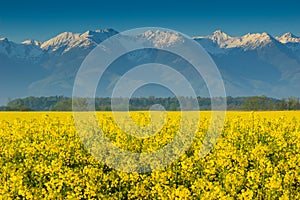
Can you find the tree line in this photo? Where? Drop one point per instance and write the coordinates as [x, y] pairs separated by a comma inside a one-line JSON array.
[[61, 103]]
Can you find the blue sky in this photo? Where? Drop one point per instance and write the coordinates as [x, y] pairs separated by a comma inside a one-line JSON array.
[[41, 20]]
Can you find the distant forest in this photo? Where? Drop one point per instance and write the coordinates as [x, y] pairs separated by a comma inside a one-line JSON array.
[[61, 103]]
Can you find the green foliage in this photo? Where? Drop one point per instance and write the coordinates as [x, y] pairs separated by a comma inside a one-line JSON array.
[[261, 103], [61, 103], [35, 103]]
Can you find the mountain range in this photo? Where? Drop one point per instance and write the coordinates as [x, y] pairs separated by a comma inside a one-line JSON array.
[[252, 64]]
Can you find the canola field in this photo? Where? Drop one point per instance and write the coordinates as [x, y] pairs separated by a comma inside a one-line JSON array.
[[257, 156]]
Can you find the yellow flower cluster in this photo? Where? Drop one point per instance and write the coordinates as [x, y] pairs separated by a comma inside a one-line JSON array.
[[257, 157]]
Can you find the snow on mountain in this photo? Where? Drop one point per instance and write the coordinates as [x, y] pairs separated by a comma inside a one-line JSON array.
[[288, 38], [27, 51], [257, 40], [252, 64], [4, 46], [291, 41], [66, 41], [219, 39], [162, 38], [99, 35], [217, 43], [32, 42]]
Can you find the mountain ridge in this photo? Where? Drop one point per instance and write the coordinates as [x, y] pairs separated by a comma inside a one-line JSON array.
[[69, 40], [251, 64]]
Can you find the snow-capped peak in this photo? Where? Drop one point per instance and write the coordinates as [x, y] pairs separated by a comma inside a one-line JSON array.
[[3, 39], [220, 37], [288, 38], [66, 41], [61, 40], [32, 42], [98, 36], [225, 41], [162, 38], [23, 51], [255, 40], [259, 36]]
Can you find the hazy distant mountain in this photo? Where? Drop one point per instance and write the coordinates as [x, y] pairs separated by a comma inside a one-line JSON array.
[[253, 64], [256, 64]]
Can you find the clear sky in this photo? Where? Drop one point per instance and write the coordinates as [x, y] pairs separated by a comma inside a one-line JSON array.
[[42, 19]]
